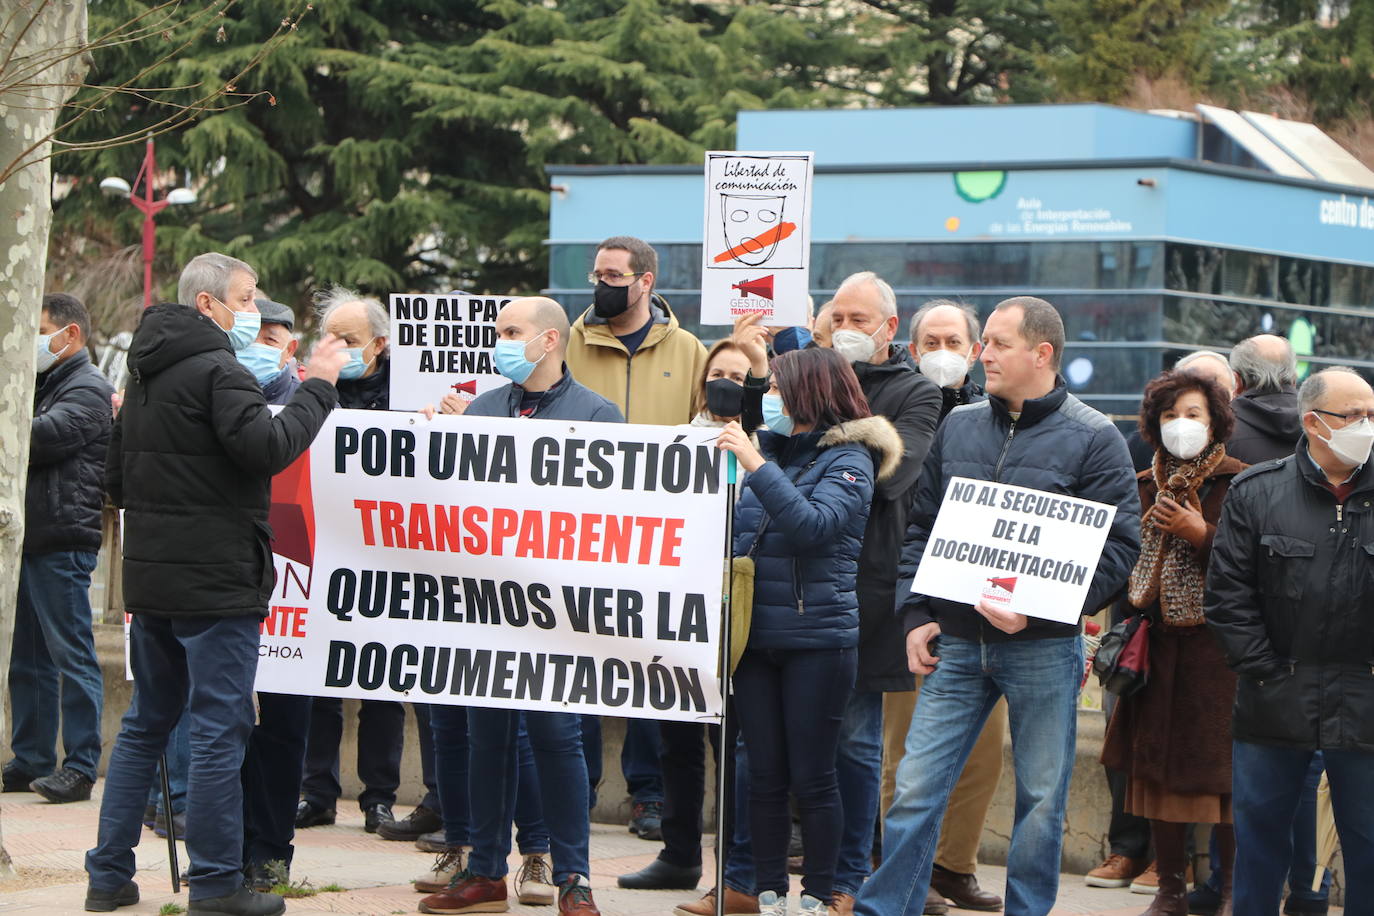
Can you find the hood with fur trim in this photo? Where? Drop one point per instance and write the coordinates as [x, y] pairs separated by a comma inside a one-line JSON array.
[[877, 434]]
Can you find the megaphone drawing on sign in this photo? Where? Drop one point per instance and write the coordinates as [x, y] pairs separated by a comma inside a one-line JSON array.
[[762, 287]]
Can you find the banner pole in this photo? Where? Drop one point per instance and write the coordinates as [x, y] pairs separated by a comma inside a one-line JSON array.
[[724, 747]]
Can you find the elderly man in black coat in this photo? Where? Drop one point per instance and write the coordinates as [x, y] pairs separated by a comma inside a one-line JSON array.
[[191, 462]]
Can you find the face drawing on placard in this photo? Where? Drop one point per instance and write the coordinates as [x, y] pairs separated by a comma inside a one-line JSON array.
[[752, 226]]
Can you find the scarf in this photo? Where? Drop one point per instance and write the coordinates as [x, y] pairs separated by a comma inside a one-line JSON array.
[[1168, 569]]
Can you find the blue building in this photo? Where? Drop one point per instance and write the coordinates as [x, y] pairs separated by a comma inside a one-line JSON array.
[[1153, 233]]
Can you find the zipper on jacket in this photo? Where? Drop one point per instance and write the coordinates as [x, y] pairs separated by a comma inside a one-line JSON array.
[[797, 587], [1340, 509], [1006, 446], [629, 360]]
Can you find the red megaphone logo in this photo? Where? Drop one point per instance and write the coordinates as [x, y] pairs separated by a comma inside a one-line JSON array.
[[470, 387], [762, 287], [1008, 584]]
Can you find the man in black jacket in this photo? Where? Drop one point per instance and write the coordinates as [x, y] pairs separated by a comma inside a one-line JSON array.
[[864, 322], [1289, 589], [1266, 403], [191, 462], [53, 665], [1032, 433]]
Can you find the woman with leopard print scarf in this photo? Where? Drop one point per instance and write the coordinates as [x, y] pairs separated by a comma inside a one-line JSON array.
[[1173, 737]]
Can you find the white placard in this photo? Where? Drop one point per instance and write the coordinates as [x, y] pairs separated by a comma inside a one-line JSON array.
[[516, 563], [757, 241], [1028, 551], [442, 344]]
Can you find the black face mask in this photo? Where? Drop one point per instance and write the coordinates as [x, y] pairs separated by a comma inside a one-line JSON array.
[[724, 398], [610, 301]]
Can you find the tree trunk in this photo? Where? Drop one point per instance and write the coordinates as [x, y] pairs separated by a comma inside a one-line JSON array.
[[26, 115]]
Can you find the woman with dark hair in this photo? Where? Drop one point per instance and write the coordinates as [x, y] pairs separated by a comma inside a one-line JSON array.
[[801, 517], [733, 381], [1173, 738]]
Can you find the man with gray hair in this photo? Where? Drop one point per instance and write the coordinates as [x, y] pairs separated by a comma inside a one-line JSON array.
[[945, 342], [1266, 403], [191, 462], [1288, 594], [364, 325], [864, 321]]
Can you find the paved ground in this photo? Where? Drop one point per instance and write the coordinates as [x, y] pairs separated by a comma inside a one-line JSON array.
[[47, 843]]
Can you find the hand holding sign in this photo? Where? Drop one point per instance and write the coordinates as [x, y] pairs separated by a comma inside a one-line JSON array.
[[752, 339], [1004, 620]]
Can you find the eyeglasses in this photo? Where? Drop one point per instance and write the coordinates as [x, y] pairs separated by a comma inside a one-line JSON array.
[[612, 278], [1347, 417]]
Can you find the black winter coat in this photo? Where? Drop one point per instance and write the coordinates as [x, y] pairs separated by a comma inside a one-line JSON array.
[[566, 400], [191, 461], [1060, 445], [1290, 596], [1267, 426], [70, 433], [816, 489], [912, 402]]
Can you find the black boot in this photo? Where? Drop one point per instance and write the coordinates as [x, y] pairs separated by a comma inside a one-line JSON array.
[[1171, 861], [242, 902]]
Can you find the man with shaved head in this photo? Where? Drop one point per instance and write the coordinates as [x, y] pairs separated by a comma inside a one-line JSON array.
[[531, 343], [1288, 597]]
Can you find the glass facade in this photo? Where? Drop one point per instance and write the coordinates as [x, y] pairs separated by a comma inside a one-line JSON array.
[[1130, 308]]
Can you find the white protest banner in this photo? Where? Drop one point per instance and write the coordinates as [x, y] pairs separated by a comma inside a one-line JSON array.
[[524, 564], [757, 243], [1025, 550], [442, 344]]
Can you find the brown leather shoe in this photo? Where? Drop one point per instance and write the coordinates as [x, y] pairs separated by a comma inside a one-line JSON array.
[[935, 904], [469, 893], [963, 890], [736, 904], [1116, 871], [575, 897]]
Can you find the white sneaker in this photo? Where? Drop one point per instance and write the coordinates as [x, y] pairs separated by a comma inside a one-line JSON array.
[[534, 881], [446, 864], [810, 905], [770, 904]]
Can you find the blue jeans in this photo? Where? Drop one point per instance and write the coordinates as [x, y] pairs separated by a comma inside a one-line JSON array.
[[790, 704], [739, 861], [211, 660], [178, 762], [272, 770], [859, 768], [54, 673], [1268, 786], [1039, 678], [556, 738], [1304, 864], [449, 726], [638, 758]]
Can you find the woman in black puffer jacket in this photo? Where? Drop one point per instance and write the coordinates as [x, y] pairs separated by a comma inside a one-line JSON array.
[[801, 517]]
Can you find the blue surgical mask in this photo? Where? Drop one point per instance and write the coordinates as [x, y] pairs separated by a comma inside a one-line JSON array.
[[355, 367], [511, 361], [773, 417], [45, 358], [245, 328], [263, 360], [789, 339]]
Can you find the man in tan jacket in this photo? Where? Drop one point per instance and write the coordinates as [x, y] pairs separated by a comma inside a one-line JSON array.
[[628, 346]]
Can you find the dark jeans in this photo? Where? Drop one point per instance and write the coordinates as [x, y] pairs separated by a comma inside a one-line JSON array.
[[639, 758], [449, 725], [211, 660], [791, 703], [381, 736], [1268, 785], [859, 771], [54, 674], [1304, 865], [272, 768], [683, 764], [178, 762], [556, 737]]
